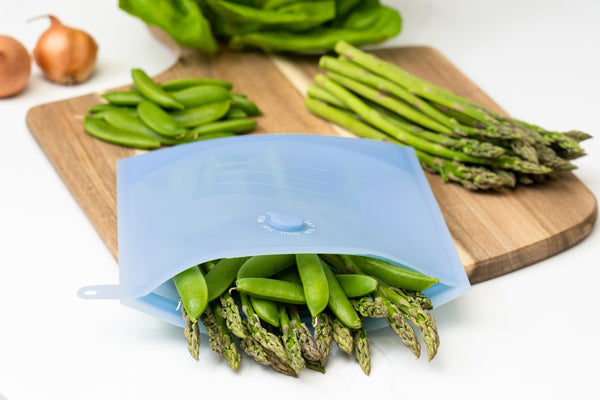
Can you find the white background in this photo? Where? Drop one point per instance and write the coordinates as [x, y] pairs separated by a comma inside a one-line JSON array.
[[532, 333]]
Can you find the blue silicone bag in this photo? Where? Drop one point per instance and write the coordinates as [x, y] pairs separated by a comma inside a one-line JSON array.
[[273, 194]]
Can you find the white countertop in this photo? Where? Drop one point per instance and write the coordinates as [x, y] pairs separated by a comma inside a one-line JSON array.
[[532, 333]]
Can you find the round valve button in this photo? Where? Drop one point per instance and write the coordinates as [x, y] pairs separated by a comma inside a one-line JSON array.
[[285, 221]]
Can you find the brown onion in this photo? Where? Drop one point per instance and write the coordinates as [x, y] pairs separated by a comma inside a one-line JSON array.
[[65, 55], [15, 66]]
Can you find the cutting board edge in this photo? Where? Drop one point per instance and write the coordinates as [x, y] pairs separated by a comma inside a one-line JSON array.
[[535, 252]]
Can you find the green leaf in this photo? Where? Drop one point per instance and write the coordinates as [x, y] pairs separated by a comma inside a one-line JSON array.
[[181, 19]]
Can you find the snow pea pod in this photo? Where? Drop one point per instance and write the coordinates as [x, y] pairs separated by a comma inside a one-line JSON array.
[[239, 125], [222, 276], [392, 275], [245, 104], [264, 266], [314, 282], [153, 91], [290, 275], [235, 112], [123, 98], [192, 289], [101, 129], [106, 107], [159, 120], [272, 289], [200, 95], [338, 301], [214, 135], [131, 123], [178, 84], [191, 117], [356, 285], [266, 310]]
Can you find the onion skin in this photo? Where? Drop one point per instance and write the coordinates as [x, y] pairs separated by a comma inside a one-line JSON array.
[[66, 55], [15, 66]]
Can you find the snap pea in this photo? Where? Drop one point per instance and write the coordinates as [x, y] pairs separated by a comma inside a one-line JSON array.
[[195, 116], [247, 105], [235, 112], [106, 107], [266, 310], [338, 301], [239, 125], [314, 282], [264, 266], [356, 285], [192, 289], [159, 120], [178, 84], [272, 289], [392, 275], [214, 135], [153, 91], [220, 278], [102, 130], [290, 275], [195, 96], [132, 123], [123, 98]]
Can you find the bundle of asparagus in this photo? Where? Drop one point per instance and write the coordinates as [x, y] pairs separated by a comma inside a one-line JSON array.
[[283, 340], [462, 141]]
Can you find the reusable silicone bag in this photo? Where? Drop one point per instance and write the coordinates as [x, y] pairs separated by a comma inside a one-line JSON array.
[[273, 194]]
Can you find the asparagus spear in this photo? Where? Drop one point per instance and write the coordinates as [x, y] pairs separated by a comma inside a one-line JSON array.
[[369, 307], [220, 339], [361, 349], [261, 355], [305, 337], [323, 335], [413, 311], [231, 314], [191, 334], [291, 342], [342, 336], [396, 320]]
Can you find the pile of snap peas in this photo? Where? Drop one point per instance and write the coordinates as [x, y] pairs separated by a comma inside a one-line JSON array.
[[286, 310], [151, 115]]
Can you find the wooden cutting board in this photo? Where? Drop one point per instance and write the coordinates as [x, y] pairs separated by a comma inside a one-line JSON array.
[[495, 233]]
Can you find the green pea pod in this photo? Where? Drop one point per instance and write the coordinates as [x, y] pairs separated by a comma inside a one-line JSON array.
[[392, 275], [103, 130], [215, 135], [200, 95], [109, 107], [314, 282], [240, 125], [220, 278], [132, 123], [338, 301], [153, 91], [191, 117], [178, 84], [266, 310], [264, 266], [235, 112], [245, 104], [122, 98], [290, 275], [272, 289], [192, 289], [159, 120], [356, 285]]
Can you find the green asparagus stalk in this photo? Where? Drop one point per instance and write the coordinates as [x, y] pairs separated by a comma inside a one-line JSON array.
[[370, 307], [323, 335], [269, 341], [342, 336], [413, 311], [261, 355], [291, 342], [396, 320], [191, 334], [231, 314], [362, 349], [219, 337], [305, 337]]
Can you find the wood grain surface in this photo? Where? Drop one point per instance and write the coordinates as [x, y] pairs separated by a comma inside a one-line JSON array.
[[495, 233]]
